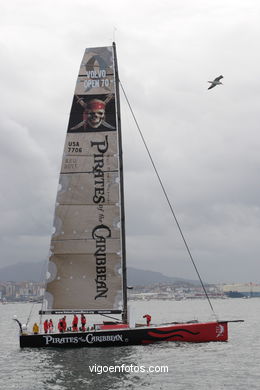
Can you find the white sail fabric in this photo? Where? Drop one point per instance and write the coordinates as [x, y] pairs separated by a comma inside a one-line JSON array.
[[85, 261]]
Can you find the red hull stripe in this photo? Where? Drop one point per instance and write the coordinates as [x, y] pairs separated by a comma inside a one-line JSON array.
[[167, 334]]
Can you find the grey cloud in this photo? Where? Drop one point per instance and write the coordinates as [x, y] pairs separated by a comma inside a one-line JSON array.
[[205, 143]]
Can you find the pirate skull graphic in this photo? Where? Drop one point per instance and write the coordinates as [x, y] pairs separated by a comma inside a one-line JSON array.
[[93, 114]]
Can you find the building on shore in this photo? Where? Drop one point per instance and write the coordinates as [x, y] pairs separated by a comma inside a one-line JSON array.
[[21, 291], [33, 291], [240, 290]]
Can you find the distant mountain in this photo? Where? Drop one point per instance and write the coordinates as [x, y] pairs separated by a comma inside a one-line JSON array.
[[35, 272], [20, 272], [140, 277]]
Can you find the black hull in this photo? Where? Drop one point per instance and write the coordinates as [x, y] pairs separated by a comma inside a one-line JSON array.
[[195, 332]]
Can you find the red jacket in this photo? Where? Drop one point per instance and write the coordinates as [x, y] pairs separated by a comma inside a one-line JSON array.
[[148, 318], [60, 325], [75, 321], [64, 324], [83, 320]]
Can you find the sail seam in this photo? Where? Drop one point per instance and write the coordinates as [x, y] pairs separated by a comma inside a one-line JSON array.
[[90, 172]]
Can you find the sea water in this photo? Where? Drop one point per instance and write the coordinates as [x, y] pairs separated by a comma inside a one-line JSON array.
[[179, 366]]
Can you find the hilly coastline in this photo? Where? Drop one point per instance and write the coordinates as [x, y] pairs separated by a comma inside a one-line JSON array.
[[35, 272]]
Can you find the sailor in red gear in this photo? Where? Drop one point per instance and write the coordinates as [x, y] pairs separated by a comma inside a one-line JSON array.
[[83, 323], [148, 319], [75, 323], [60, 325], [46, 326], [51, 327], [64, 324]]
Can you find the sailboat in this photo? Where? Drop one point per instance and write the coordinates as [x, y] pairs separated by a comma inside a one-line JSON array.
[[87, 271]]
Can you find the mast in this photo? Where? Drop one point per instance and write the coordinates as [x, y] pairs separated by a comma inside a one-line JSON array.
[[122, 220]]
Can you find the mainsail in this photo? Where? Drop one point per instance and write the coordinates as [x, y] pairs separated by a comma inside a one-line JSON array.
[[86, 263]]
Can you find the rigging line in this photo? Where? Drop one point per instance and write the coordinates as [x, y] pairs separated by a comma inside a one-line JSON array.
[[167, 199], [39, 281], [44, 269], [29, 316]]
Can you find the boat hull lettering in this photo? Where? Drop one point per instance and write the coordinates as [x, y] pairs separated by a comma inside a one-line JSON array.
[[90, 338]]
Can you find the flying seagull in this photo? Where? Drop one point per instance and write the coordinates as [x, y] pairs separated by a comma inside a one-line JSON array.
[[215, 82]]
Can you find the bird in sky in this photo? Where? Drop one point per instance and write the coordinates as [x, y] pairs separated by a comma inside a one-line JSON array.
[[215, 82]]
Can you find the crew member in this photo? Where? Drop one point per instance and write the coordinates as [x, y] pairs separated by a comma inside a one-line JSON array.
[[83, 323], [148, 319], [60, 325], [51, 327], [75, 323], [46, 326], [64, 324], [35, 328]]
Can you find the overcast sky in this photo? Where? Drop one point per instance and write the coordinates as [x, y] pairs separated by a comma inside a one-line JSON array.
[[205, 144]]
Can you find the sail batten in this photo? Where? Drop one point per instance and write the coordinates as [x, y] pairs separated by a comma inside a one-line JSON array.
[[85, 271]]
